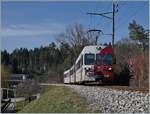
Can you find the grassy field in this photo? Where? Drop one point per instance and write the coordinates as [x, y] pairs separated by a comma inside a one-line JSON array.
[[20, 105], [57, 99]]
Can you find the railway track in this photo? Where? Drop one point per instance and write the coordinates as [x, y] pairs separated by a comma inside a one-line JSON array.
[[127, 88], [122, 88], [115, 86], [108, 86]]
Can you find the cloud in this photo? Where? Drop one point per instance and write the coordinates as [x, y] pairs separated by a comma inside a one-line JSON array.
[[21, 30]]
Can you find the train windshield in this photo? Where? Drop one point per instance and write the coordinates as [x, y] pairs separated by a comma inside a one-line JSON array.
[[107, 59], [89, 59], [98, 59]]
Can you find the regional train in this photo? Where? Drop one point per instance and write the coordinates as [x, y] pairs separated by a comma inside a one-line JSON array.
[[95, 63]]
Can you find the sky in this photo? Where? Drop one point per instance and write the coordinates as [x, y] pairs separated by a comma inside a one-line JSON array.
[[32, 24]]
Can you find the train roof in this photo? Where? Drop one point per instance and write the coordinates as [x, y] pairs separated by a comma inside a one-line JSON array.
[[90, 49], [69, 69], [107, 50], [65, 72]]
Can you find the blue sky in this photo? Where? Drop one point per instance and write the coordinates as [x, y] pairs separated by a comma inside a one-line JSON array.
[[32, 24]]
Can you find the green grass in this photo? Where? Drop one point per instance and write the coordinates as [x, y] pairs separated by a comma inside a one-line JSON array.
[[20, 105], [57, 99]]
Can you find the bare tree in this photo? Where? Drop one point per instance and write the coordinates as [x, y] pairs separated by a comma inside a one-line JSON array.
[[76, 35]]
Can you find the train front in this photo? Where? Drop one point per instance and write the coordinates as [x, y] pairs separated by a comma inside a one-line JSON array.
[[104, 68]]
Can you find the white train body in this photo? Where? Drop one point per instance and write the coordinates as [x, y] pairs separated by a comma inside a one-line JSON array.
[[67, 76], [85, 61]]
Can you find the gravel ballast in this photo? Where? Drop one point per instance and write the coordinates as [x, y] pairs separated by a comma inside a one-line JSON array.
[[107, 100]]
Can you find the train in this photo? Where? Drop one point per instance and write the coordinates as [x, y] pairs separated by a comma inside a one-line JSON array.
[[95, 63]]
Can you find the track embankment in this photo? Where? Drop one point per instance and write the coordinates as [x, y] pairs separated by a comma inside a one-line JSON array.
[[114, 99]]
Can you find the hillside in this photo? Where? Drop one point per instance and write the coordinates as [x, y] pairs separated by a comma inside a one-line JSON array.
[[57, 99]]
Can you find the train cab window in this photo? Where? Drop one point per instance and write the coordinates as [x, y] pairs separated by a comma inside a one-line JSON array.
[[99, 59], [89, 59], [107, 60]]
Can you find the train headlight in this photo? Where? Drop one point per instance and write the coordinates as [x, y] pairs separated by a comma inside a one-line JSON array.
[[86, 68], [110, 68], [92, 68]]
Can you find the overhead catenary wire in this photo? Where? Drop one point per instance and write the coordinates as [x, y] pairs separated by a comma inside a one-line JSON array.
[[112, 18], [95, 25], [92, 21], [102, 18]]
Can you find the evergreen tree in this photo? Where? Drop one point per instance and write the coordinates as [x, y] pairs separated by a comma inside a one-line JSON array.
[[5, 57], [137, 32]]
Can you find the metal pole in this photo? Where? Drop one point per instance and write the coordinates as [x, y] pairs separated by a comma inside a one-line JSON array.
[[7, 93], [113, 24]]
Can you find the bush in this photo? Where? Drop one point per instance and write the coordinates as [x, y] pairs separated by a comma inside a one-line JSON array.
[[145, 70], [28, 88], [131, 64]]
